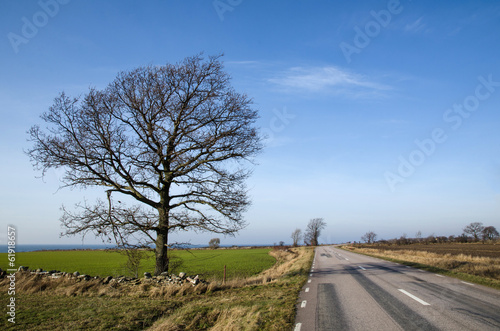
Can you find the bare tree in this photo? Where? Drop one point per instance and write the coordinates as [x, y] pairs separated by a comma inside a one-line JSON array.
[[418, 236], [474, 229], [490, 233], [176, 138], [296, 236], [313, 231], [214, 243], [369, 237]]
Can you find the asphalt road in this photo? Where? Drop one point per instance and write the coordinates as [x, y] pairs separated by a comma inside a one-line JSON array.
[[348, 291]]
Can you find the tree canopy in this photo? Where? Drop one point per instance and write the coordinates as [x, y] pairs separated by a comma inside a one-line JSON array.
[[474, 229], [313, 231], [369, 237]]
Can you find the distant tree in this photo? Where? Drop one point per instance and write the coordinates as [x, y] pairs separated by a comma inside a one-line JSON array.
[[490, 233], [313, 231], [282, 243], [174, 139], [430, 239], [214, 243], [418, 236], [403, 240], [474, 229], [441, 239], [369, 237], [462, 238], [296, 236]]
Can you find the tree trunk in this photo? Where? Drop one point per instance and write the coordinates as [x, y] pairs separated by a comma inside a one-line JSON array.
[[161, 251]]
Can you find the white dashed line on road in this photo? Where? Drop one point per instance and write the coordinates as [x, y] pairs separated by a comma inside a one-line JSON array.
[[297, 327], [468, 283], [303, 304], [414, 297], [309, 281], [360, 267], [307, 289], [439, 275]]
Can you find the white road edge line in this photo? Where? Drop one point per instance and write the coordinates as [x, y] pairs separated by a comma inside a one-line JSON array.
[[307, 289], [360, 267], [439, 275], [297, 327], [414, 297], [468, 283], [309, 281], [303, 304]]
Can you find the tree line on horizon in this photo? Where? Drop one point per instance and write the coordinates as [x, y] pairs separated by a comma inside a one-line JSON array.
[[473, 232]]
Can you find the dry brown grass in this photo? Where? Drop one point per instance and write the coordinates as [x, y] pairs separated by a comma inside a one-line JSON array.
[[475, 265], [27, 283], [225, 319], [233, 319], [240, 304]]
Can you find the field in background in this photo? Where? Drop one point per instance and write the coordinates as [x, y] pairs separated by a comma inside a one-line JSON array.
[[478, 263], [479, 250], [208, 263]]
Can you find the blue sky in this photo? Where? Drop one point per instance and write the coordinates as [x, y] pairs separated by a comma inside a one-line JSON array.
[[382, 116]]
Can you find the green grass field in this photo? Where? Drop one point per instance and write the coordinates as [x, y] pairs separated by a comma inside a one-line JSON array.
[[207, 263]]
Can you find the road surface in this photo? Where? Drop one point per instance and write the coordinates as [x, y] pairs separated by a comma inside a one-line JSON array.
[[348, 291]]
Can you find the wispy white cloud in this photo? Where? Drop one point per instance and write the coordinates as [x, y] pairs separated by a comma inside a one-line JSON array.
[[416, 26], [329, 79]]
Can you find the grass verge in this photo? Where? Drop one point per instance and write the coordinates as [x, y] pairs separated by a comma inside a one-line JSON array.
[[463, 267], [265, 301]]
